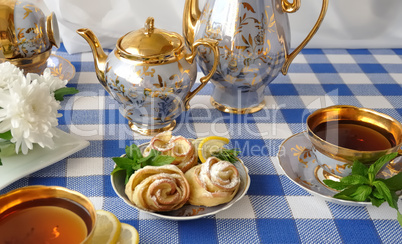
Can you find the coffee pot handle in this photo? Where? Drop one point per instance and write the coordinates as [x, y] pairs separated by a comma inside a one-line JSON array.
[[213, 44], [291, 8]]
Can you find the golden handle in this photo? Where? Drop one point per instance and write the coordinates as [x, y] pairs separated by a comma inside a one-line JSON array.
[[291, 8], [213, 44], [394, 163]]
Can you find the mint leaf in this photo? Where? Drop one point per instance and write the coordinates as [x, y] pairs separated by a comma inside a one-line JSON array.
[[129, 172], [7, 149], [377, 194], [375, 167], [359, 169], [124, 163], [335, 184], [148, 159], [362, 193], [395, 182], [354, 180], [384, 191], [134, 160], [117, 169], [6, 135], [133, 152], [61, 92], [347, 193], [358, 193], [162, 160], [362, 185], [375, 201]]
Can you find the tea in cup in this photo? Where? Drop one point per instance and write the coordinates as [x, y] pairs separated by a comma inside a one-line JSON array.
[[46, 214], [342, 134]]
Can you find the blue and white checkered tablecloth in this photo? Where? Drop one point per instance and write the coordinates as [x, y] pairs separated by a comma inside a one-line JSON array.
[[275, 210]]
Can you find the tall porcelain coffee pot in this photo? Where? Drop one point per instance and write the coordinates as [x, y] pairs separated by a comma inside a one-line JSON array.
[[150, 73], [254, 39]]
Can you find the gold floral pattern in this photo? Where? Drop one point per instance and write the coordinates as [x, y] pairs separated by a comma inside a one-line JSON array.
[[303, 154], [253, 49], [31, 38]]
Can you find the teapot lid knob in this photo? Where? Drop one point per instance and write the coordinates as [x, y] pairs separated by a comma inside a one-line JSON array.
[[149, 26]]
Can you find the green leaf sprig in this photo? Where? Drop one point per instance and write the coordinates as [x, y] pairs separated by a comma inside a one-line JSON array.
[[61, 92], [362, 185], [134, 160], [225, 154], [7, 149]]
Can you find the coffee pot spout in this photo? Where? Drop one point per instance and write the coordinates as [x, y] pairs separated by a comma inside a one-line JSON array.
[[98, 53], [191, 15]]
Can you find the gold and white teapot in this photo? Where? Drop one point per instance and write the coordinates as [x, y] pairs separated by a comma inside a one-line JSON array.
[[150, 73]]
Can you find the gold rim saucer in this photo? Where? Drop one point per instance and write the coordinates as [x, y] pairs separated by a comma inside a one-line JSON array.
[[297, 160], [60, 67]]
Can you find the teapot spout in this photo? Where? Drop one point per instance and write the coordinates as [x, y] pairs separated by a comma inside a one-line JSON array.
[[191, 15], [98, 53]]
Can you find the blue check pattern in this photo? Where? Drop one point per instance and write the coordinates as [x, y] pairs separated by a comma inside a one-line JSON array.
[[274, 210]]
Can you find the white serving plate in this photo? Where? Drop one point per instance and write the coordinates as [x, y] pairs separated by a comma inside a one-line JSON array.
[[187, 212], [18, 166]]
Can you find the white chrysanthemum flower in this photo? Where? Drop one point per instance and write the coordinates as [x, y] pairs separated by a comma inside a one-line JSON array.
[[51, 81], [9, 74], [29, 110]]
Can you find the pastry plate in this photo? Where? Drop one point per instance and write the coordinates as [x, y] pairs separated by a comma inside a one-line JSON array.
[[18, 166], [187, 212], [60, 67]]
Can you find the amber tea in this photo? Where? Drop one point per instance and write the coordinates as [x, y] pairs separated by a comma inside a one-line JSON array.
[[355, 135], [52, 220]]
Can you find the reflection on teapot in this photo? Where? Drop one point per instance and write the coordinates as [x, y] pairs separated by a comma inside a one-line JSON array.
[[254, 39], [150, 73]]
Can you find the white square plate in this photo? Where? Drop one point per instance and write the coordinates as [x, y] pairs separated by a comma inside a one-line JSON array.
[[18, 166]]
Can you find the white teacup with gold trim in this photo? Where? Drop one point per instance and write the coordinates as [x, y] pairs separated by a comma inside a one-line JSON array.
[[342, 134]]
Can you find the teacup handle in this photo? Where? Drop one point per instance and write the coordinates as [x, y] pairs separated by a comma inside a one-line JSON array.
[[213, 44], [392, 162], [291, 8]]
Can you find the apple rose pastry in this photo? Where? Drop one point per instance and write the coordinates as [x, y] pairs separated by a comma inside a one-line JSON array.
[[176, 146], [158, 188], [213, 182]]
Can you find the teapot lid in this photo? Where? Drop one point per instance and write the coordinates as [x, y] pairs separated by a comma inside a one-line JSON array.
[[150, 44]]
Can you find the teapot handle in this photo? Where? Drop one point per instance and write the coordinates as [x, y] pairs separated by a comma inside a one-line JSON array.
[[291, 8], [213, 44]]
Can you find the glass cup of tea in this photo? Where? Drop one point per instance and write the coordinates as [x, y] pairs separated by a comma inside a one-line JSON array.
[[341, 134], [46, 214]]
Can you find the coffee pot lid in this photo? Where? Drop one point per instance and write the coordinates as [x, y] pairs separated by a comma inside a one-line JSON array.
[[149, 43]]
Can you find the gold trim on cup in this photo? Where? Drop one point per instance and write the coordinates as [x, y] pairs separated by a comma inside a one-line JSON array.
[[26, 194], [346, 112]]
